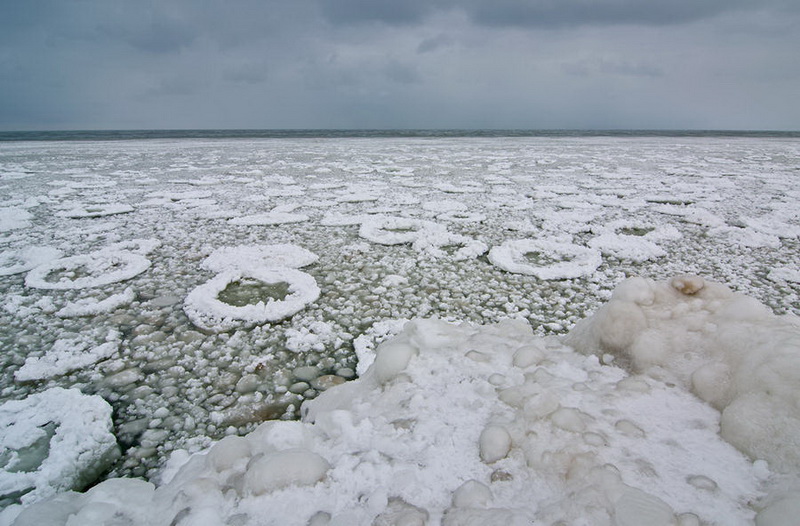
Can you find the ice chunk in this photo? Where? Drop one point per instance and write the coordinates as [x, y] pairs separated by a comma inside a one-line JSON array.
[[53, 441], [472, 494], [635, 508], [96, 210], [285, 468], [495, 443]]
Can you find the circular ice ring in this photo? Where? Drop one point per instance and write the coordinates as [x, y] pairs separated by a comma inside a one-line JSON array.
[[207, 311], [510, 255], [103, 267], [379, 230]]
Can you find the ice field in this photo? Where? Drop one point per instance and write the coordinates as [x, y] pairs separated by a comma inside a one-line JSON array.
[[518, 330]]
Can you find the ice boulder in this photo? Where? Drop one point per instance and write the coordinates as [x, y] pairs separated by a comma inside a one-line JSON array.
[[53, 441], [727, 348]]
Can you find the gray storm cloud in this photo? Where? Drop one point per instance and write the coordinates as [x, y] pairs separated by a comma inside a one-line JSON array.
[[385, 64]]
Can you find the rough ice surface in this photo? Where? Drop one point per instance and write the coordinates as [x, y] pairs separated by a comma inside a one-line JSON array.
[[429, 431], [597, 210], [52, 441], [727, 348]]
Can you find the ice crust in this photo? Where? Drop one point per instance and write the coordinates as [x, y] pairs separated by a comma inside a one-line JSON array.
[[455, 423]]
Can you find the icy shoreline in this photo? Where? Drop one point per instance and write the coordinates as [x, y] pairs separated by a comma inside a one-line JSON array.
[[463, 424]]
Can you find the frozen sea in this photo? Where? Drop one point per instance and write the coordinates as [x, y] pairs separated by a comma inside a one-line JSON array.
[[202, 284]]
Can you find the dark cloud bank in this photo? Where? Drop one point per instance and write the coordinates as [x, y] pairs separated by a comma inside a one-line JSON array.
[[389, 64]]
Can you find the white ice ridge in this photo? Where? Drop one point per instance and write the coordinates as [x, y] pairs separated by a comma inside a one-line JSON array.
[[206, 310], [96, 269], [53, 441], [459, 424]]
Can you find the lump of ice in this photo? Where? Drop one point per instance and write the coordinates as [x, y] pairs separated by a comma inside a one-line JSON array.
[[24, 259], [387, 230], [87, 270], [53, 441], [545, 258], [296, 466], [255, 256], [727, 348], [250, 296]]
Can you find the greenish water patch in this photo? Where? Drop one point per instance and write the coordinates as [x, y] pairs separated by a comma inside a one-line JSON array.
[[250, 291], [635, 231]]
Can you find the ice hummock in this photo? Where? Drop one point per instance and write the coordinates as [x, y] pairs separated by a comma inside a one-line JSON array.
[[456, 423]]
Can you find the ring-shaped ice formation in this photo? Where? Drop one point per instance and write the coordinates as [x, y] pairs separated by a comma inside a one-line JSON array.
[[389, 230], [100, 268], [282, 255], [54, 441], [434, 246], [573, 261], [457, 216], [204, 308]]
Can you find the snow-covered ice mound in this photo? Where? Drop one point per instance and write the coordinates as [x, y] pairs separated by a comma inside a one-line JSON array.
[[255, 256], [249, 296], [53, 441], [460, 424], [727, 348], [88, 270], [545, 258]]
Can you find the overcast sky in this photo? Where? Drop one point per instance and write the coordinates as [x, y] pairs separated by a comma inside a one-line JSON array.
[[533, 64]]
